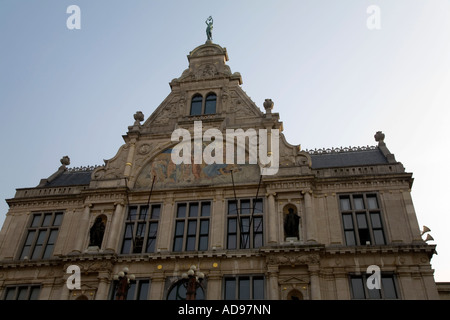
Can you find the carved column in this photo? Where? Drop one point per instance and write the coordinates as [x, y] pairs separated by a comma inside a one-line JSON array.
[[114, 230], [309, 216], [214, 285], [273, 290], [315, 282], [83, 228], [103, 285], [166, 219], [157, 287], [218, 218], [272, 213]]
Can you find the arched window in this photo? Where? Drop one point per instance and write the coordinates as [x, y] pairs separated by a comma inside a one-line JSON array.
[[178, 291], [196, 105], [210, 105]]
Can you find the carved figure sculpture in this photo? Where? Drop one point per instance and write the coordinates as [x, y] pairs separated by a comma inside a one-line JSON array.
[[291, 223]]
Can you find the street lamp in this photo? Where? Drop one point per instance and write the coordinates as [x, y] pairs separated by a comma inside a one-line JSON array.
[[194, 280], [123, 283]]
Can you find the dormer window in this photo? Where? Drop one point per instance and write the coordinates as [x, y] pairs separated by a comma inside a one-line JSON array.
[[198, 107]]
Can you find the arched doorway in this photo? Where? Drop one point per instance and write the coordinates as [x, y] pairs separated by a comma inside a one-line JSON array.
[[294, 295]]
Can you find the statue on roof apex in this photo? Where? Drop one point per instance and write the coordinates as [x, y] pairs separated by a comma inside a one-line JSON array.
[[209, 28]]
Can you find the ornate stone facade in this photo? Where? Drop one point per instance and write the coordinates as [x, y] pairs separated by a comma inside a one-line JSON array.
[[335, 244]]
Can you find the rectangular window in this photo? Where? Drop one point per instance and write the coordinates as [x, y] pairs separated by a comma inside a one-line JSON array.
[[359, 289], [41, 236], [245, 224], [138, 290], [141, 228], [192, 226], [25, 292], [361, 219], [244, 287]]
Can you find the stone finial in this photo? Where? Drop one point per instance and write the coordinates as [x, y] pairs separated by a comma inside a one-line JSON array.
[[65, 161], [379, 137], [138, 117], [268, 105]]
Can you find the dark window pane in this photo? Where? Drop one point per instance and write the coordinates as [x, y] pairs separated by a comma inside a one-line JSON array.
[[34, 294], [179, 229], [258, 225], [203, 243], [126, 246], [231, 243], [244, 288], [258, 288], [258, 241], [258, 203], [58, 219], [345, 203], [30, 237], [132, 212], [245, 207], [374, 293], [23, 293], [388, 285], [150, 245], [156, 211], [376, 220], [192, 227], [181, 212], [348, 221], [140, 231], [196, 105], [143, 213], [129, 230], [364, 236], [204, 227], [362, 221], [232, 208], [210, 104], [206, 209], [379, 237], [48, 251], [357, 288], [143, 290], [190, 243], [372, 202], [193, 210], [153, 229], [230, 289], [350, 238], [47, 220], [36, 220], [232, 226], [245, 225], [178, 244], [359, 203], [131, 291], [10, 293]]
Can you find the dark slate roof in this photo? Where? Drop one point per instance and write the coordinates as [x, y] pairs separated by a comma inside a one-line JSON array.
[[348, 158], [71, 178]]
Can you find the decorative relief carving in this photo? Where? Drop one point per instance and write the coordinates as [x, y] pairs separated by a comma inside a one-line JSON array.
[[293, 259]]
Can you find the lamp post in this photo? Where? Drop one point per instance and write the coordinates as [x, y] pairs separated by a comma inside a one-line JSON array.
[[194, 280], [123, 283]]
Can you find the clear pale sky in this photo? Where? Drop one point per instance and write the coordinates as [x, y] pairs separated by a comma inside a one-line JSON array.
[[333, 81]]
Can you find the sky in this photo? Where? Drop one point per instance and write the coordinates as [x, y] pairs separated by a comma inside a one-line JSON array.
[[334, 80]]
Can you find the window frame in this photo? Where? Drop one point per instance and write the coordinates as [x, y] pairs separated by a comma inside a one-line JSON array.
[[239, 233], [136, 222], [134, 290], [360, 216], [367, 292], [237, 286], [183, 236], [195, 96], [17, 288], [31, 239], [202, 101]]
